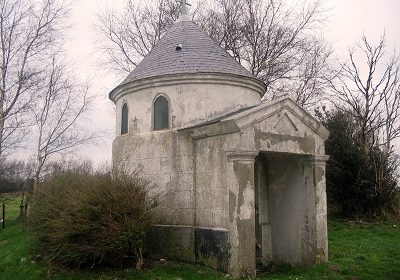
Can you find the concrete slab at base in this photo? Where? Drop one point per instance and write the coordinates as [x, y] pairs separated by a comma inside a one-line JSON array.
[[212, 248], [171, 243], [206, 246]]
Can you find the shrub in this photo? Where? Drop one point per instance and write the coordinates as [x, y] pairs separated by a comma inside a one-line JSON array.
[[11, 176], [83, 219], [360, 183]]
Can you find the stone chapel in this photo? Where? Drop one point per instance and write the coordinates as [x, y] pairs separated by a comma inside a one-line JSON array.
[[244, 180]]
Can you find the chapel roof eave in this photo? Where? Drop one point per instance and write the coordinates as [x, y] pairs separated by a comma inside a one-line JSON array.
[[188, 78]]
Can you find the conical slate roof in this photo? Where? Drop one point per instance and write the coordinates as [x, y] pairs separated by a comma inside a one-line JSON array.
[[198, 54]]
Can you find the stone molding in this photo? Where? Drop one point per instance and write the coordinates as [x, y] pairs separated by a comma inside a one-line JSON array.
[[189, 79], [174, 226], [316, 160], [242, 155]]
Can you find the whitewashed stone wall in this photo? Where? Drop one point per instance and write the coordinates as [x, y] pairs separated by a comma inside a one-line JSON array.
[[166, 159], [192, 100], [212, 196]]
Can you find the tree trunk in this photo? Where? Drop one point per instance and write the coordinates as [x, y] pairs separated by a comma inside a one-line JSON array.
[[139, 259]]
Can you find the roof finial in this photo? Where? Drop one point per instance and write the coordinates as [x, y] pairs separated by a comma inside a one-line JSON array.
[[184, 10]]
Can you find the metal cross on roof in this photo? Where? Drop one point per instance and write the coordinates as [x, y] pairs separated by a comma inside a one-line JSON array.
[[184, 4]]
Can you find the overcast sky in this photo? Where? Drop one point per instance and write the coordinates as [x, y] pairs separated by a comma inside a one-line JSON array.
[[348, 21]]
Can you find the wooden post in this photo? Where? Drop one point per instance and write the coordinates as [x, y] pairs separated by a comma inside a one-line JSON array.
[[21, 206], [21, 210], [4, 216]]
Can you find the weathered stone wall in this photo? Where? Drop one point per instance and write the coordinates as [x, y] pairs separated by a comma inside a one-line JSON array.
[[190, 103], [212, 196], [192, 222], [166, 159], [284, 132], [212, 203]]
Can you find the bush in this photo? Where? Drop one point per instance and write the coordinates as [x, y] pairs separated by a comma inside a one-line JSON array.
[[360, 183], [83, 219], [11, 176]]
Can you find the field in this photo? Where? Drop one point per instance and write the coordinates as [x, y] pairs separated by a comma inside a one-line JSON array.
[[356, 251]]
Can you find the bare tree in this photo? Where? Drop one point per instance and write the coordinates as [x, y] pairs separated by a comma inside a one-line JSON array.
[[29, 31], [279, 44], [367, 87], [128, 36], [59, 110], [366, 91], [224, 22], [391, 129]]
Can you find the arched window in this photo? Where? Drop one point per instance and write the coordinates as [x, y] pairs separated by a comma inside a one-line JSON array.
[[161, 113], [124, 119]]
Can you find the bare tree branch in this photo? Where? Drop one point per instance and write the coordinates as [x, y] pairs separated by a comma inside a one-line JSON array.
[[29, 32], [128, 36], [60, 105], [367, 87]]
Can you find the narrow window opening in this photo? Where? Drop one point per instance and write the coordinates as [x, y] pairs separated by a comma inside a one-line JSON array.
[[124, 119], [161, 113]]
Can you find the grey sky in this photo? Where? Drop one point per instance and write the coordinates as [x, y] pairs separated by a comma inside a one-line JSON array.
[[348, 21]]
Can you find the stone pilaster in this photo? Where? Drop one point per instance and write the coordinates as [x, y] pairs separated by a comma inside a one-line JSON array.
[[262, 198], [317, 231], [242, 213]]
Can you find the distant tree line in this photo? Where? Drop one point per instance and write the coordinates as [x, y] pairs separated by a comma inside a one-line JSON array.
[[42, 104], [12, 178]]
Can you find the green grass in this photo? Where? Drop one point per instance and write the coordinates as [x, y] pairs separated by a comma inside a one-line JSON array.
[[356, 251]]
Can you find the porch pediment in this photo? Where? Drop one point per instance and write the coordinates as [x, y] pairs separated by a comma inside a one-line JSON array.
[[281, 117], [285, 125]]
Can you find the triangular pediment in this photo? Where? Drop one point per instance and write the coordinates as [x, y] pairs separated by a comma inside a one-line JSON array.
[[282, 116], [285, 125], [279, 117]]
